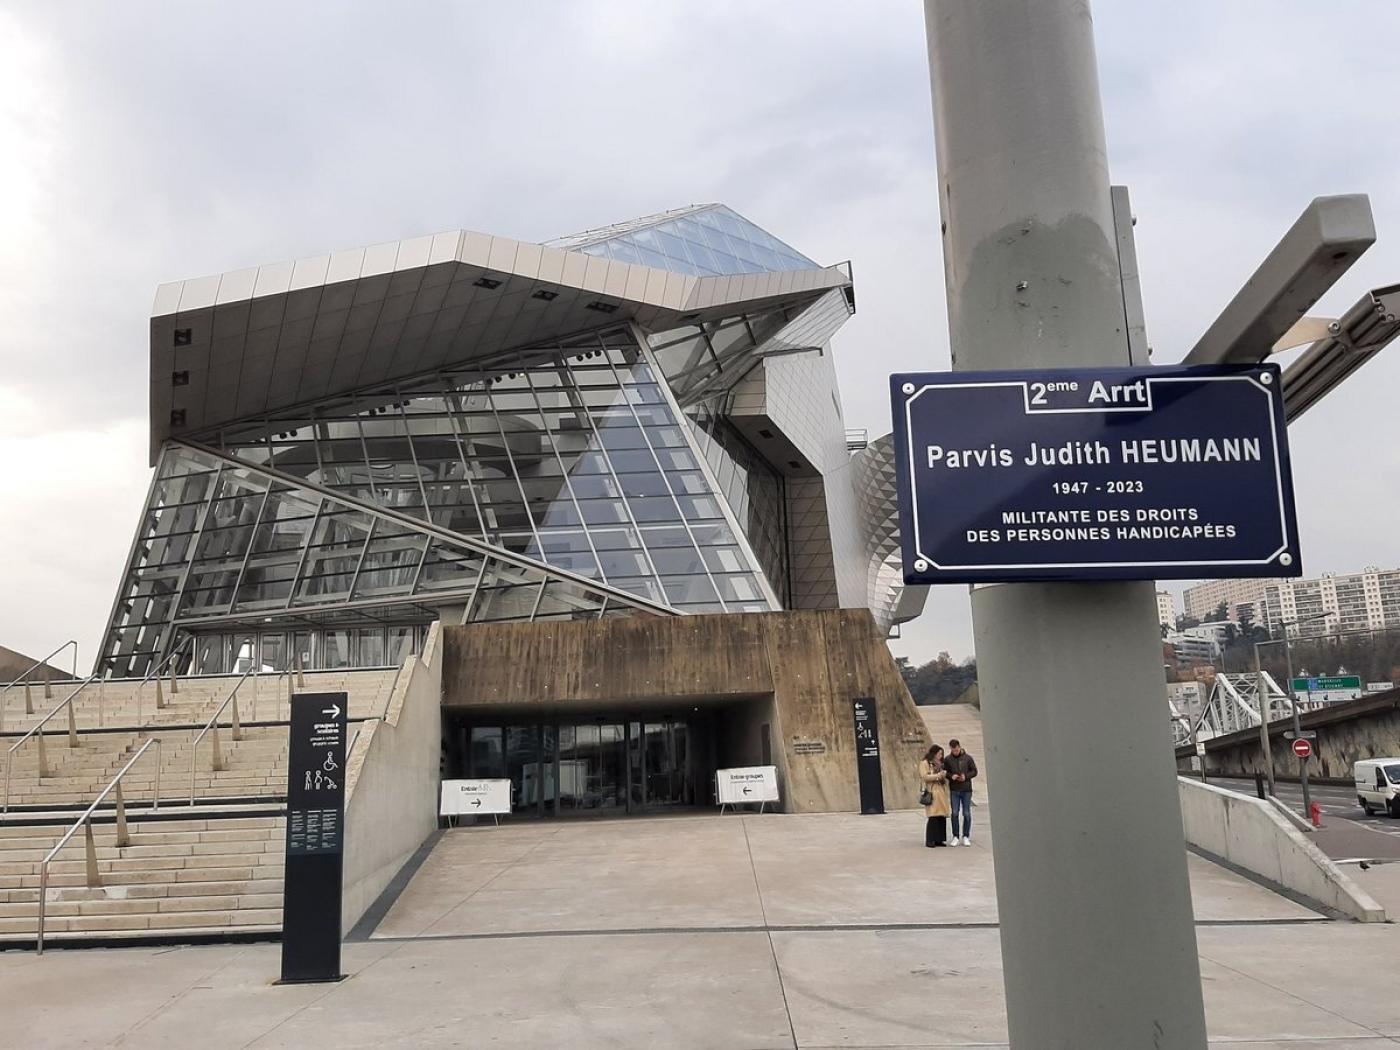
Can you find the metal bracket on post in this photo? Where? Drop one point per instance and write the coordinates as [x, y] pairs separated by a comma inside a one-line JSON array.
[[160, 694], [218, 763], [43, 756], [28, 700], [72, 726], [1134, 318], [1318, 248], [237, 724], [1351, 340]]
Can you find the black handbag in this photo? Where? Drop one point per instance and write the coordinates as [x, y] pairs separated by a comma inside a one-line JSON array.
[[925, 797]]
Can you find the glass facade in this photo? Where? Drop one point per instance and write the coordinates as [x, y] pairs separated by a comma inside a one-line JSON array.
[[510, 475], [572, 455], [223, 542], [707, 358], [607, 766], [755, 492], [705, 241]]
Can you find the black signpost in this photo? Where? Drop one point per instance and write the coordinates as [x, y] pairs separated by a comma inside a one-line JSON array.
[[872, 791], [315, 839]]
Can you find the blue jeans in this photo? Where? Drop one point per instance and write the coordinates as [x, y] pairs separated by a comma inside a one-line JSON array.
[[962, 803]]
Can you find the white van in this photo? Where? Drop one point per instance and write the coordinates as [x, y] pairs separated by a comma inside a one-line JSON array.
[[1378, 784]]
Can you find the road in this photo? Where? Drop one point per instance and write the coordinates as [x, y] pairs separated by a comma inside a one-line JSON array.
[[1346, 831]]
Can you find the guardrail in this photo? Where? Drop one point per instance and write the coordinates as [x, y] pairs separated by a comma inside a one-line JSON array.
[[48, 686], [156, 672], [38, 730], [94, 878], [236, 727]]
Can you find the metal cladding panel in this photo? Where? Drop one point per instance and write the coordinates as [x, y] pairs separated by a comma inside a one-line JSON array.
[[873, 476], [423, 311]]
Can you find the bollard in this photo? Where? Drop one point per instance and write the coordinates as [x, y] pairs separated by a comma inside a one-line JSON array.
[[1315, 812], [1259, 784]]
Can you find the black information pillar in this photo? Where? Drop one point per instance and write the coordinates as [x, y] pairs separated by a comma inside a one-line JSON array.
[[315, 839], [872, 791]]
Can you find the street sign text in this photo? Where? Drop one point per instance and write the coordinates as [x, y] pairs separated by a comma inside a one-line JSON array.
[[1147, 473]]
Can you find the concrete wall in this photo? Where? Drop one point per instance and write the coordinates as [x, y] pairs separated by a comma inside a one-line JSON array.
[[1346, 732], [1249, 834], [392, 782], [809, 663]]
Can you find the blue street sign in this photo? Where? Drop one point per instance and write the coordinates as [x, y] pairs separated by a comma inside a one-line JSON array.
[[1093, 474]]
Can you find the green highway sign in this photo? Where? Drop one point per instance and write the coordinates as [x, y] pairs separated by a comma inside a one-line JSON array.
[[1322, 685]]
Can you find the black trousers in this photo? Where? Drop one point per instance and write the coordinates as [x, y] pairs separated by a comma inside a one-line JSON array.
[[936, 831]]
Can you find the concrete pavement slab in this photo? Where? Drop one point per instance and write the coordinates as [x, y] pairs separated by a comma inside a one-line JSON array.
[[891, 988], [683, 960], [591, 875], [1381, 881], [735, 871], [1349, 968]]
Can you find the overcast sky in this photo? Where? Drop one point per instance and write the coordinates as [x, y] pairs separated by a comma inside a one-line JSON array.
[[148, 142]]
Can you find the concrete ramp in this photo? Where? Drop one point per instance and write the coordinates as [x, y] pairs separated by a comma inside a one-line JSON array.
[[1249, 835], [961, 722]]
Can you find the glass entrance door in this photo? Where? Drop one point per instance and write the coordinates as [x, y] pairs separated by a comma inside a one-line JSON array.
[[665, 763], [581, 768], [592, 768]]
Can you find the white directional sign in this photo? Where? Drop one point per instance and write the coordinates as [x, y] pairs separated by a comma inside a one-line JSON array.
[[746, 784], [471, 798]]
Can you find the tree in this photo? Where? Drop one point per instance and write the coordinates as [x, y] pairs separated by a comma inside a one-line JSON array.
[[1222, 612], [941, 681], [1183, 622]]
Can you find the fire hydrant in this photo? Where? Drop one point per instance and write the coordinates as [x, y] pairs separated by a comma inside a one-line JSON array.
[[1315, 812]]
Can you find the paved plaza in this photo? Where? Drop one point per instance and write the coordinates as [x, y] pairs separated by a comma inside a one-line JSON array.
[[732, 933]]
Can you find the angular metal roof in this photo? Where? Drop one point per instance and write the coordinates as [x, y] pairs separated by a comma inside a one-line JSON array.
[[241, 344]]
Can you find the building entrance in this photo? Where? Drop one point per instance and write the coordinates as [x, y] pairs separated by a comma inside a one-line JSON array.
[[591, 768]]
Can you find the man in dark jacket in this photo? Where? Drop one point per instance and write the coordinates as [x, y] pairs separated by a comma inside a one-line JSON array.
[[961, 769]]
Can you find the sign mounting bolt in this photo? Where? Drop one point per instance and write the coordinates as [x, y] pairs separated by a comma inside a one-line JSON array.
[[908, 388], [920, 565], [1285, 559], [1266, 378]]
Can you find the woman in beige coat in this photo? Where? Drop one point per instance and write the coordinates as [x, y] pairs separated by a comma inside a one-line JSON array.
[[935, 781]]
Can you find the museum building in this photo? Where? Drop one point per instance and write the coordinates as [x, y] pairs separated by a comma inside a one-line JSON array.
[[612, 467]]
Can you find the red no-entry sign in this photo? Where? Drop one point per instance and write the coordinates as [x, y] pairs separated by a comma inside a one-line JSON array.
[[1302, 748]]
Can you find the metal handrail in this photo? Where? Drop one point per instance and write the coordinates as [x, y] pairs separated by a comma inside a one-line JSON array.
[[213, 724], [34, 667], [156, 672], [85, 821], [37, 728]]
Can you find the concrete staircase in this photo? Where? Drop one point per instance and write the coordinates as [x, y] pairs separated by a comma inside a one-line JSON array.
[[188, 872], [254, 766], [190, 877], [130, 702]]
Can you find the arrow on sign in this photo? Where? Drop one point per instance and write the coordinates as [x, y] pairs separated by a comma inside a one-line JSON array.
[[476, 802], [748, 791], [333, 710]]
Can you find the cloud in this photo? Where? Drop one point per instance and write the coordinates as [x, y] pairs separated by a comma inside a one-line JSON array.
[[148, 142]]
